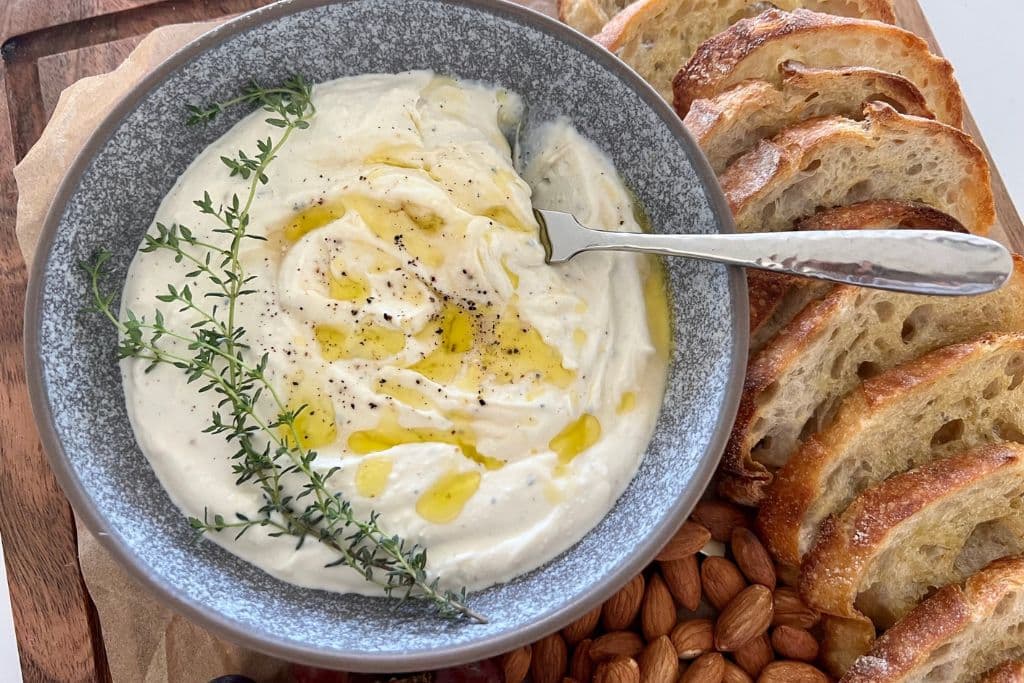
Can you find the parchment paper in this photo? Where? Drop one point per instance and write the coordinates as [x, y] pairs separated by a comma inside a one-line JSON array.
[[145, 642]]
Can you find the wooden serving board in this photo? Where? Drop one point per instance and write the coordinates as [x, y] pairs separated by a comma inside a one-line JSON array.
[[46, 47]]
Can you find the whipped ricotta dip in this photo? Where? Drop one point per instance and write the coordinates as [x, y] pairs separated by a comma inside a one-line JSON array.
[[488, 406]]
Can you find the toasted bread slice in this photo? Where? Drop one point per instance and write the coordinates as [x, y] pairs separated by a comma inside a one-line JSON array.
[[588, 16], [954, 636], [657, 37], [754, 48], [1007, 672], [776, 299], [958, 397], [733, 122], [933, 525], [835, 161]]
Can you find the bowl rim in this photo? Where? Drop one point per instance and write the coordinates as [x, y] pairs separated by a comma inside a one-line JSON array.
[[350, 660]]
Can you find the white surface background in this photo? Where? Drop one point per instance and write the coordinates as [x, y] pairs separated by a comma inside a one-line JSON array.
[[980, 37]]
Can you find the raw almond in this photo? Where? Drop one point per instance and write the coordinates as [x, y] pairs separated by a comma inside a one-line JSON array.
[[693, 638], [719, 518], [683, 580], [582, 666], [790, 610], [549, 659], [690, 538], [721, 581], [795, 643], [616, 644], [746, 617], [791, 672], [582, 627], [658, 613], [752, 558], [618, 670], [621, 609], [659, 662], [734, 674], [516, 664], [707, 668], [755, 655]]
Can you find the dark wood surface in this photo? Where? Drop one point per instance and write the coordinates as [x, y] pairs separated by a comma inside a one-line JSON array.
[[47, 45]]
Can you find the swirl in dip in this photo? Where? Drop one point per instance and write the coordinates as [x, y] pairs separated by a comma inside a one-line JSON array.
[[490, 407]]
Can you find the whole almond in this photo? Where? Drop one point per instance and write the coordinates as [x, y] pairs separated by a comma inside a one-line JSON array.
[[549, 660], [720, 518], [709, 668], [752, 558], [658, 612], [690, 538], [791, 672], [582, 627], [790, 610], [683, 580], [746, 617], [618, 670], [693, 637], [659, 662], [721, 581], [755, 655], [734, 674], [621, 609], [795, 643], [616, 644], [567, 679], [582, 666], [516, 664]]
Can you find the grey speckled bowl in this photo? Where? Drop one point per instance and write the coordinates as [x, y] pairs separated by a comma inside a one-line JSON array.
[[110, 197]]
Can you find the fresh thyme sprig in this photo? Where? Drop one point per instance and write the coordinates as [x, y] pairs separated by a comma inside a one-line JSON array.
[[213, 354]]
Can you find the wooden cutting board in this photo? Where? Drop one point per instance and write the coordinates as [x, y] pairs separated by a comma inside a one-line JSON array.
[[46, 47]]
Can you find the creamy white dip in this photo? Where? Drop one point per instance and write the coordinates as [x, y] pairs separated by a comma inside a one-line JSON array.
[[490, 407]]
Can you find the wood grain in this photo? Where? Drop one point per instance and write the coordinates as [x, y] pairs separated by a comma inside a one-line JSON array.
[[46, 47]]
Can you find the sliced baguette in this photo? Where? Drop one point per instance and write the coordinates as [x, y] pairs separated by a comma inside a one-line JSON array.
[[776, 299], [934, 525], [733, 122], [657, 37], [954, 636], [754, 48], [1007, 672], [958, 397], [588, 16], [835, 161]]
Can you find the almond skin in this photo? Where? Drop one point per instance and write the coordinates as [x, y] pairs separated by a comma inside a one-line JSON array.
[[683, 580], [582, 666], [693, 638], [690, 538], [721, 581], [659, 662], [720, 518], [709, 668], [752, 558], [549, 660], [582, 627], [621, 609], [658, 612], [795, 643], [516, 664], [791, 672], [734, 674], [746, 617], [615, 644], [618, 670], [755, 655], [790, 610]]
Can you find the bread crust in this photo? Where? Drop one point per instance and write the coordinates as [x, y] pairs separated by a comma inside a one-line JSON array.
[[716, 64], [795, 487], [779, 163], [949, 611], [1007, 672]]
